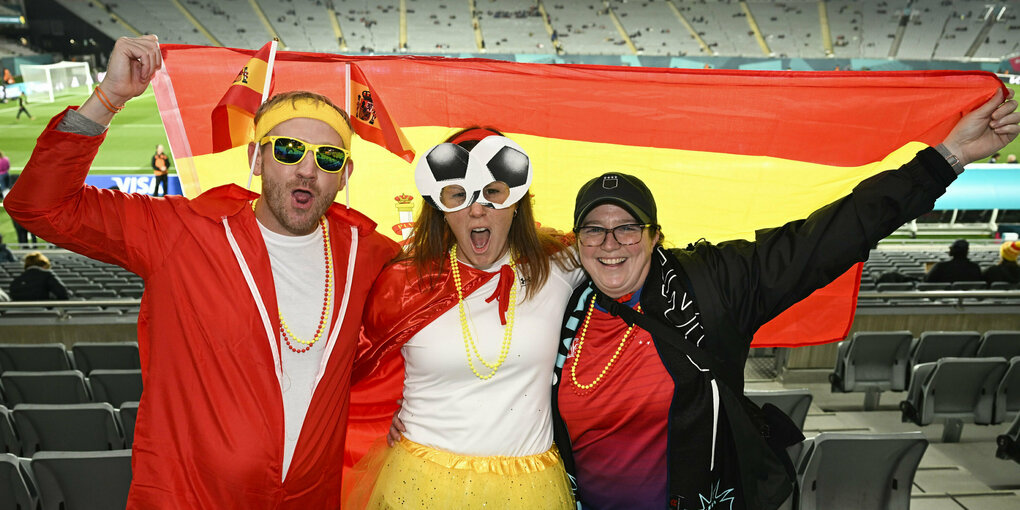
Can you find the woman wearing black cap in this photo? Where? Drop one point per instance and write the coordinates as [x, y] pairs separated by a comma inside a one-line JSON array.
[[650, 377]]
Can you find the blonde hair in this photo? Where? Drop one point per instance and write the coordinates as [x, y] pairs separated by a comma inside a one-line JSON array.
[[36, 258]]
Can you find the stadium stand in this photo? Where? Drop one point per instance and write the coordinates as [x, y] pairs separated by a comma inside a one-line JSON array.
[[872, 362], [921, 30], [655, 28], [724, 27], [953, 390], [53, 387], [75, 427], [82, 479], [934, 345], [98, 16], [14, 484], [584, 26], [1008, 444], [790, 28], [843, 470], [513, 26], [370, 26], [303, 25], [443, 27]]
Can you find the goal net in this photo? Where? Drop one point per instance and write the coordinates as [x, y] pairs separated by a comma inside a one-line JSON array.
[[44, 82]]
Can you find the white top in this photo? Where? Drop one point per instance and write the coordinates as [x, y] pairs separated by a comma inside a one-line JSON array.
[[448, 408], [299, 271]]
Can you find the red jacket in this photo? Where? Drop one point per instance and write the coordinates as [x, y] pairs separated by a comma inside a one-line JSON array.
[[210, 424]]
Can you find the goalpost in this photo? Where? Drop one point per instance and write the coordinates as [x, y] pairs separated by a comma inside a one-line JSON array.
[[44, 82]]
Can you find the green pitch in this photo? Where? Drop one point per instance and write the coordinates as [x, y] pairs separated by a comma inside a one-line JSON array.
[[128, 149]]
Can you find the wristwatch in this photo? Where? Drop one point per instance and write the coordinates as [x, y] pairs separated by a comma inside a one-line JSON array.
[[950, 158]]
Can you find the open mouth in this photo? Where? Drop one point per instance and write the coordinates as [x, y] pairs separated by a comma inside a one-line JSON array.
[[302, 198], [612, 262], [480, 239]]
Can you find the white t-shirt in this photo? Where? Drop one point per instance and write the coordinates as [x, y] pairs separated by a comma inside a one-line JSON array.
[[299, 271], [448, 408]]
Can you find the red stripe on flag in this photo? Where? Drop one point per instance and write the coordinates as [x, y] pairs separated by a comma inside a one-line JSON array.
[[235, 112]]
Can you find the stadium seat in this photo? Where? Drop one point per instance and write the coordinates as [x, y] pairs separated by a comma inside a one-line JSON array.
[[872, 362], [933, 345], [927, 286], [71, 427], [57, 387], [980, 285], [82, 480], [1007, 395], [33, 357], [1008, 444], [14, 485], [895, 287], [873, 471], [953, 390], [8, 437], [999, 344], [128, 415], [116, 386], [96, 294], [105, 356], [795, 403]]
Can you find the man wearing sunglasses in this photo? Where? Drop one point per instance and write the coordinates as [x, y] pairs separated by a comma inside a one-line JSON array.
[[252, 302]]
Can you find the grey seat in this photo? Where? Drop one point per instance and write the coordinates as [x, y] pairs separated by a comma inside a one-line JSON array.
[[873, 471], [872, 362], [72, 427], [954, 390], [1001, 344], [975, 285], [9, 441], [933, 345], [895, 287], [106, 356], [15, 485], [128, 415], [926, 286], [33, 357], [795, 403], [57, 387], [116, 386], [82, 480], [1007, 395]]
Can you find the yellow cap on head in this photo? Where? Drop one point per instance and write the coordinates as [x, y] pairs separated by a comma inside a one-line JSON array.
[[306, 108]]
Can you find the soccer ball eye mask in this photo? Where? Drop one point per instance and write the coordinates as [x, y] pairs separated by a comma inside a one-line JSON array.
[[495, 173]]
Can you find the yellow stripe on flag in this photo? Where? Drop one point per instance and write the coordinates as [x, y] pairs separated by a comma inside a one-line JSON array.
[[252, 75], [699, 194]]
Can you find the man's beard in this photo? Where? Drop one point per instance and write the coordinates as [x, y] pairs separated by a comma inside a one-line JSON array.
[[277, 196]]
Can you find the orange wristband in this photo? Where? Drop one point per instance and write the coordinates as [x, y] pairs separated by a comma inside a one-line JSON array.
[[106, 101]]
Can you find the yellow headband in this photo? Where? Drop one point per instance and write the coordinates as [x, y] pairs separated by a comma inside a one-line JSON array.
[[306, 108]]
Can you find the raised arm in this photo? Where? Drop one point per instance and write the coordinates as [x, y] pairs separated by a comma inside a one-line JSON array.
[[50, 198], [758, 280]]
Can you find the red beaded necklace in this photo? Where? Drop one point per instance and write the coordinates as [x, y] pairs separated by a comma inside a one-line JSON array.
[[326, 299]]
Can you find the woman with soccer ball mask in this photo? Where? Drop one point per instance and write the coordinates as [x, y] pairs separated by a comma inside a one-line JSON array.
[[474, 307]]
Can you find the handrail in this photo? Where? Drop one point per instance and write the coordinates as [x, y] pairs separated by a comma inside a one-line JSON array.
[[69, 304], [940, 294]]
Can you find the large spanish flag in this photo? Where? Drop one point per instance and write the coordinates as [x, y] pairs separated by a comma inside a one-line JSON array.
[[725, 152]]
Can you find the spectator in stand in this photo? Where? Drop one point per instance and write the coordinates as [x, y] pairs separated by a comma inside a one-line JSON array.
[[994, 158], [160, 168], [958, 269], [7, 256], [37, 283], [1011, 159], [5, 173], [1007, 269]]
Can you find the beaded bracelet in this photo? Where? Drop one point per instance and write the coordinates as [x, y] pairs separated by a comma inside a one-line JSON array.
[[106, 101]]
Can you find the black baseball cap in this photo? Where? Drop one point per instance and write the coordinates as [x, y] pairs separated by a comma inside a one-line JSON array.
[[619, 189]]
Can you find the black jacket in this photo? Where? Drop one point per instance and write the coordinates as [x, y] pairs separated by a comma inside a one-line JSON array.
[[37, 284], [737, 286]]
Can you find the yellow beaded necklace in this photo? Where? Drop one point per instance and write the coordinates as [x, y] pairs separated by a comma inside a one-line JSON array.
[[580, 345], [326, 300], [469, 342]]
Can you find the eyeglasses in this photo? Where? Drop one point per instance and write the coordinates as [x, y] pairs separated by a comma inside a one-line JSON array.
[[624, 234], [290, 151]]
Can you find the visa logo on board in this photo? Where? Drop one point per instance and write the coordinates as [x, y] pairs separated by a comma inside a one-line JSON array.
[[135, 184]]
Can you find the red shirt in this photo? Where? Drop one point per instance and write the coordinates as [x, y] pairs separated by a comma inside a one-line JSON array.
[[618, 428]]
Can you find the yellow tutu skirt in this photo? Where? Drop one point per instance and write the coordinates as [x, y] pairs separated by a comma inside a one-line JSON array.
[[411, 475]]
